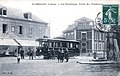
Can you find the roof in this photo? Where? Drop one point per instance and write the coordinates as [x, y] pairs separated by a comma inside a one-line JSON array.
[[70, 28], [62, 40], [83, 19], [75, 25], [19, 14]]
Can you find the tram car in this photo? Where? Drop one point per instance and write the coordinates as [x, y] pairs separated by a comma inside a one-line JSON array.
[[51, 47]]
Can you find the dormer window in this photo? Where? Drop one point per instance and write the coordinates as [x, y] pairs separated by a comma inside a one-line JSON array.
[[28, 15], [3, 11]]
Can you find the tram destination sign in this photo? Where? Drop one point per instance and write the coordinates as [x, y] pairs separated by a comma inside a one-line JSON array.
[[110, 14]]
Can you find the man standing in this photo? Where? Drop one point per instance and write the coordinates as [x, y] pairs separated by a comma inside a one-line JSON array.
[[62, 55], [53, 54], [22, 53], [58, 56], [66, 55]]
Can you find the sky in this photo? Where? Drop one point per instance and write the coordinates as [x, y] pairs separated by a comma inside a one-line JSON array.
[[61, 13]]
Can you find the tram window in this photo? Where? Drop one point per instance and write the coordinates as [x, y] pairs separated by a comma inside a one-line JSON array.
[[50, 44], [71, 45], [58, 44], [64, 44], [76, 46]]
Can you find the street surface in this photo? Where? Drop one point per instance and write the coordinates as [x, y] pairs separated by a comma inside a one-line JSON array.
[[39, 67]]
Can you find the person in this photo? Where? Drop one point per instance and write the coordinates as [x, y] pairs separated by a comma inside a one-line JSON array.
[[18, 58], [66, 55], [58, 56], [94, 55], [53, 54], [22, 53], [29, 53], [62, 56], [15, 53]]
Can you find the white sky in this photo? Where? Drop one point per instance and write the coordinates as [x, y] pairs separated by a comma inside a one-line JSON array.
[[59, 16]]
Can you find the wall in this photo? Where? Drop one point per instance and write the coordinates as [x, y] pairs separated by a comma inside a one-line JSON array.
[[38, 30]]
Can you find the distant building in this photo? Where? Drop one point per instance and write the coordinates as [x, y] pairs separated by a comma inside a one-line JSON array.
[[84, 31], [19, 28]]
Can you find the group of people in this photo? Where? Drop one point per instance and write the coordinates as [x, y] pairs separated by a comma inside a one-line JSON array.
[[21, 54], [63, 55]]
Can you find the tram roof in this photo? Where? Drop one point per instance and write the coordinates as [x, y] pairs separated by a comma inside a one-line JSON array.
[[49, 39]]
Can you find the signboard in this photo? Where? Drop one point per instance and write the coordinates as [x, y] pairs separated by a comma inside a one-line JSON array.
[[110, 14]]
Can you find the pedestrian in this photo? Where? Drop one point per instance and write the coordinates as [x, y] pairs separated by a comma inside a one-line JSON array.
[[62, 56], [32, 53], [22, 53], [94, 55], [18, 58], [29, 52], [53, 54], [15, 52], [66, 56], [58, 56]]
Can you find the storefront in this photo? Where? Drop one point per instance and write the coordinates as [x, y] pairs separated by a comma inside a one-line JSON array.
[[12, 46]]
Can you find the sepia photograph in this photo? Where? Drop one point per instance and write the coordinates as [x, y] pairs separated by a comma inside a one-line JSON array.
[[59, 38]]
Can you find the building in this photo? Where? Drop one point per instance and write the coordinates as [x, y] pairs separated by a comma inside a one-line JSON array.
[[18, 28], [90, 38]]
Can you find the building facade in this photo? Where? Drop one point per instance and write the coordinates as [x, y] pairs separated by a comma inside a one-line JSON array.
[[84, 30], [18, 28]]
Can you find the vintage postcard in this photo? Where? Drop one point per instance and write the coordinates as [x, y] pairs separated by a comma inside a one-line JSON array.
[[59, 38]]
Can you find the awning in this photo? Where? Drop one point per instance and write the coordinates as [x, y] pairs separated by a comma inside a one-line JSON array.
[[8, 42], [27, 43]]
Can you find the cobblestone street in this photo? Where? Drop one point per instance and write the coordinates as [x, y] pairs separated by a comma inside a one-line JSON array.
[[9, 67]]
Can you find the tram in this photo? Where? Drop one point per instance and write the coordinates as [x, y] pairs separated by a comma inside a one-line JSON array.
[[49, 46]]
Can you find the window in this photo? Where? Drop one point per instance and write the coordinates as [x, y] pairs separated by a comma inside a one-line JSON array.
[[12, 29], [91, 23], [5, 28], [98, 36], [71, 45], [3, 11], [28, 15], [96, 46], [64, 44], [30, 31], [78, 34], [0, 11], [100, 46], [83, 45], [89, 35], [64, 35], [89, 44], [20, 30], [50, 44], [101, 36], [83, 36]]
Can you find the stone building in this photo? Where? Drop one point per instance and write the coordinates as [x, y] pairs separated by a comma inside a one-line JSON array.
[[18, 28], [84, 30]]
